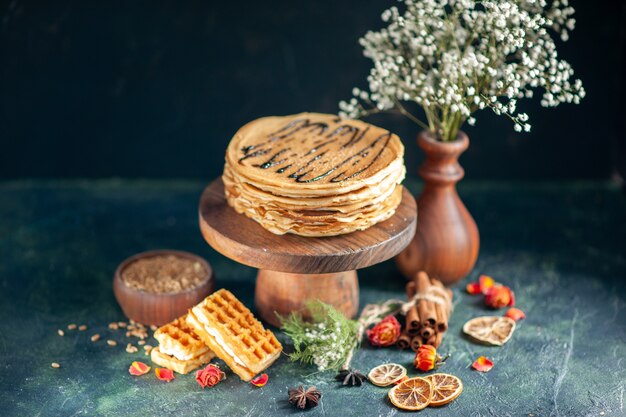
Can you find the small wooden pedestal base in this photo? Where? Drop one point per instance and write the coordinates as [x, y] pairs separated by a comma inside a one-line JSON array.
[[321, 268], [284, 292]]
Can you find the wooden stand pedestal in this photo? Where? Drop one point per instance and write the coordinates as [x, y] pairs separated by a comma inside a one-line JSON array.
[[283, 292], [293, 268]]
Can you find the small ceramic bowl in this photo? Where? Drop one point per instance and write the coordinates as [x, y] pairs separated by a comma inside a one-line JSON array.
[[158, 309]]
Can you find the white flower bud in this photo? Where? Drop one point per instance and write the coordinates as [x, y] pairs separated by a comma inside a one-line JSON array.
[[412, 61]]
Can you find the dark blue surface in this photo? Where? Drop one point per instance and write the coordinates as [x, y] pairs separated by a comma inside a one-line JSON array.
[[560, 246]]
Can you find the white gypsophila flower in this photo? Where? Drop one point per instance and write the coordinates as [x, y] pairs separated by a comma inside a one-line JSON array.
[[454, 57]]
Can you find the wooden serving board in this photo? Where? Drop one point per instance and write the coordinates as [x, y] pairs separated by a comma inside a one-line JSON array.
[[245, 241]]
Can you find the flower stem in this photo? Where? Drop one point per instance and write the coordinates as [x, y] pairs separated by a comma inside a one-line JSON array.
[[411, 117]]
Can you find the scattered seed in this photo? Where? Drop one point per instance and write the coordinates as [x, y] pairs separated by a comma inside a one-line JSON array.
[[153, 327], [95, 337], [122, 324], [82, 327], [61, 332], [147, 348], [71, 326], [141, 342], [131, 349], [55, 365], [138, 334], [111, 342], [113, 326]]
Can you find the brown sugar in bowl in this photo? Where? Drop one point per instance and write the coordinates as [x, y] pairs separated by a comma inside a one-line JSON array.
[[154, 308]]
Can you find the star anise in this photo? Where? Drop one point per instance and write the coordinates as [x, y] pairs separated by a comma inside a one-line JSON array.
[[351, 377], [304, 398]]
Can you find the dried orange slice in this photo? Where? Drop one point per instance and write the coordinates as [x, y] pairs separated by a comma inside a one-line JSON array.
[[386, 374], [492, 330], [413, 394], [446, 388]]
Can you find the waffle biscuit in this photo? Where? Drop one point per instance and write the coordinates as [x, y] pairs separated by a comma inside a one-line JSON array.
[[180, 349], [314, 174], [234, 334], [177, 365]]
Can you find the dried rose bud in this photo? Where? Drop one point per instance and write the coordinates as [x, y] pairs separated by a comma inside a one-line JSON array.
[[515, 314], [209, 376], [482, 364], [385, 333], [485, 282], [163, 374], [427, 358], [499, 296], [473, 288], [138, 368], [260, 380], [482, 286]]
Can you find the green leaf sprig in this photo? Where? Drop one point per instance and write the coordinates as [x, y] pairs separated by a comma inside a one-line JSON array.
[[328, 341]]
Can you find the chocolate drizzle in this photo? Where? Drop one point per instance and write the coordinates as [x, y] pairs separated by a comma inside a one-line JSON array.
[[283, 169], [299, 176], [359, 158], [386, 137], [254, 154], [354, 139], [315, 149], [272, 161]]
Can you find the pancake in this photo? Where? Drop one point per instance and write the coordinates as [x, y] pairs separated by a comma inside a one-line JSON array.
[[314, 174], [342, 202]]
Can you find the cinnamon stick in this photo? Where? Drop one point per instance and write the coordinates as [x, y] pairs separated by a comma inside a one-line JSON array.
[[431, 340], [412, 319], [442, 311], [416, 342], [442, 317], [410, 289], [426, 332], [414, 331], [404, 341], [447, 292], [425, 308], [438, 339]]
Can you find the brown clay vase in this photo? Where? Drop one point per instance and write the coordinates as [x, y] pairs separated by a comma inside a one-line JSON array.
[[446, 242]]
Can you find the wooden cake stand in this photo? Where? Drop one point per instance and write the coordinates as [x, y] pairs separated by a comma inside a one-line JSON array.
[[293, 269]]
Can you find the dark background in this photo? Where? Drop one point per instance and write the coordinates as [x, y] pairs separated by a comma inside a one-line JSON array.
[[157, 89]]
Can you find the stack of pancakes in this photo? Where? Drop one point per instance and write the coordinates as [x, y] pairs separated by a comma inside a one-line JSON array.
[[314, 174]]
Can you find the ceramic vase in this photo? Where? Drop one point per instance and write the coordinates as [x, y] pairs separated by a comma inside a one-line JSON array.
[[446, 242]]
